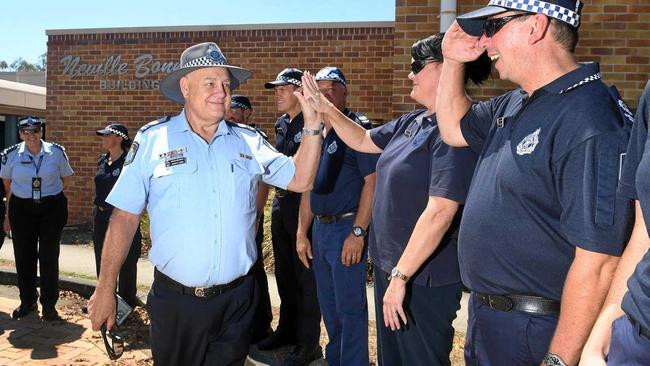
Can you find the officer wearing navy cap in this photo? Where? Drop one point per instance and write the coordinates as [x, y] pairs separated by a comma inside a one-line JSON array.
[[197, 175], [34, 172], [299, 321], [341, 203], [543, 226], [240, 111], [116, 143], [621, 335]]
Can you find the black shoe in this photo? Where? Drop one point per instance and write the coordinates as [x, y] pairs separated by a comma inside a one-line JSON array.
[[273, 341], [23, 311], [50, 315], [303, 356]]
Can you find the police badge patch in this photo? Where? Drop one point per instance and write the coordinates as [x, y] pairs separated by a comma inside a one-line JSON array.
[[116, 172], [332, 148], [528, 144], [131, 154], [297, 137]]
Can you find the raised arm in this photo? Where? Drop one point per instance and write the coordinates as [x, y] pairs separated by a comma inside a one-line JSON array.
[[452, 101]]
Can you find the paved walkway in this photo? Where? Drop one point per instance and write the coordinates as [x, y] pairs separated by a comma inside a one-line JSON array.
[[32, 342]]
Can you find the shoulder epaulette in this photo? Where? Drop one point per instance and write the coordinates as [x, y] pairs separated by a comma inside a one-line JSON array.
[[623, 109], [155, 123], [60, 147], [361, 119], [241, 125], [101, 159], [262, 133], [9, 149]]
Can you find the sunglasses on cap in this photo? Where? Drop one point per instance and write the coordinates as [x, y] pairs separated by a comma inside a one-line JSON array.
[[30, 130], [418, 65], [492, 26]]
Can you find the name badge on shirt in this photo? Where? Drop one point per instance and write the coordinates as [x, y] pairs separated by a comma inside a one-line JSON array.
[[36, 188], [175, 161]]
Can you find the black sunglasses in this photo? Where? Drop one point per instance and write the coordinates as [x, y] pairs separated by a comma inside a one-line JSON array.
[[113, 342], [418, 65], [30, 130], [492, 26]]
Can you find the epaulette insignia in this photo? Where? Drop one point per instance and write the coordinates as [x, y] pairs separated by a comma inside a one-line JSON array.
[[155, 123], [60, 147], [5, 153], [362, 120]]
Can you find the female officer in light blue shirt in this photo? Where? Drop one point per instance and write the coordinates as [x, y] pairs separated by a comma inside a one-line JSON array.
[[33, 172]]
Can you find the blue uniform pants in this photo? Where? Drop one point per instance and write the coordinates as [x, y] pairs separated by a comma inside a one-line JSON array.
[[427, 338], [628, 347], [341, 294], [511, 338]]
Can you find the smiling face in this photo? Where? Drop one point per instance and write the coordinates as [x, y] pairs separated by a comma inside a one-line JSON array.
[[31, 135], [284, 98], [425, 84], [207, 93], [505, 48]]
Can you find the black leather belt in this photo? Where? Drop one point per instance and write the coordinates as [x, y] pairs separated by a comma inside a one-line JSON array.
[[527, 304], [282, 193], [642, 330], [202, 292], [324, 219]]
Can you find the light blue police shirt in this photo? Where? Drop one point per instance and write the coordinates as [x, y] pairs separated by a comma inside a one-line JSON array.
[[19, 165], [200, 197]]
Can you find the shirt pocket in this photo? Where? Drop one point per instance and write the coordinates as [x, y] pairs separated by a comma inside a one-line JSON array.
[[245, 180], [169, 182]]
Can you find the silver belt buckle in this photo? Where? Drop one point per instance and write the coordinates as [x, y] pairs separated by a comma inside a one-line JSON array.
[[199, 292]]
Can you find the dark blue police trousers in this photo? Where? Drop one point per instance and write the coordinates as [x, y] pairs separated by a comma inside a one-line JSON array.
[[428, 337], [510, 338], [628, 347], [187, 330], [341, 294]]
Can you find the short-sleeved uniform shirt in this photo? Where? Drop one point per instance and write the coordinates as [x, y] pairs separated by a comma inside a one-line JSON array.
[[50, 164], [635, 184], [105, 178], [288, 135], [341, 172], [545, 184], [414, 165], [200, 196]]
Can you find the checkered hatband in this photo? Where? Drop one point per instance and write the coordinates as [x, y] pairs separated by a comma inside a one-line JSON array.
[[290, 80], [552, 10]]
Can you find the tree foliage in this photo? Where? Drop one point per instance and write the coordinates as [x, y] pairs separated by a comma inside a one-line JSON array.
[[20, 64]]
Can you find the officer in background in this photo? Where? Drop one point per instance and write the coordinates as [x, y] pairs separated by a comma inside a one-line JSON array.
[[543, 227], [33, 173], [3, 210], [341, 201], [197, 174], [116, 142], [240, 112], [299, 321]]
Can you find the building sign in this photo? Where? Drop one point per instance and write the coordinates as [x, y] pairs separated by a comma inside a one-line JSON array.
[[117, 74]]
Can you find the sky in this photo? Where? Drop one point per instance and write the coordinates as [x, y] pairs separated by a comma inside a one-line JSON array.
[[22, 29]]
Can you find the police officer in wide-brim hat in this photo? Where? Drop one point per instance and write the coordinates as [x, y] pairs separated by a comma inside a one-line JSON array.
[[197, 57]]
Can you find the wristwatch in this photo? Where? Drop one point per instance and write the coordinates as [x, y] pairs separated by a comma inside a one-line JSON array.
[[552, 360], [313, 131], [396, 273], [359, 232]]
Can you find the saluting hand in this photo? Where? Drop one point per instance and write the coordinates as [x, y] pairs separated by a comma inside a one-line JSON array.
[[393, 299], [303, 247], [459, 46], [312, 94]]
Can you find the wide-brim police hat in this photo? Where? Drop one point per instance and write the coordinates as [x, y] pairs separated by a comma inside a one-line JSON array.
[[197, 57], [567, 11], [287, 76]]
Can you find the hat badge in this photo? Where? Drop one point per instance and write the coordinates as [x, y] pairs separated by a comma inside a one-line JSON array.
[[215, 55]]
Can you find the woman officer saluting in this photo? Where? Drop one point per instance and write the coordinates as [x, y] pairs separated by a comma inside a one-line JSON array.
[[33, 173], [116, 142]]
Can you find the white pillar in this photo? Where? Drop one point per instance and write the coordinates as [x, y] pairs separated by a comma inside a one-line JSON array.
[[447, 14]]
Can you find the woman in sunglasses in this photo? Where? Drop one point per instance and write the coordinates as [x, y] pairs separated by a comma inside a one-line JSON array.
[[33, 173], [116, 143], [421, 185]]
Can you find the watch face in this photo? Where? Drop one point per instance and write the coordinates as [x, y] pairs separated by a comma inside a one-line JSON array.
[[393, 272], [357, 231]]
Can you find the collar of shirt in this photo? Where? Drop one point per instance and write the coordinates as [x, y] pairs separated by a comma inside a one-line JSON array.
[[46, 148], [180, 124], [583, 74]]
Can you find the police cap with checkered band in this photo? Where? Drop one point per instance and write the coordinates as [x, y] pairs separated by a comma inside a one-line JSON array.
[[567, 11], [286, 77]]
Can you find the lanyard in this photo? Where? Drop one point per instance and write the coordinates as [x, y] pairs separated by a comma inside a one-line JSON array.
[[37, 166]]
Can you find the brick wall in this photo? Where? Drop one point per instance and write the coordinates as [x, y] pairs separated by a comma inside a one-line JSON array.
[[615, 33], [77, 107], [376, 59]]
